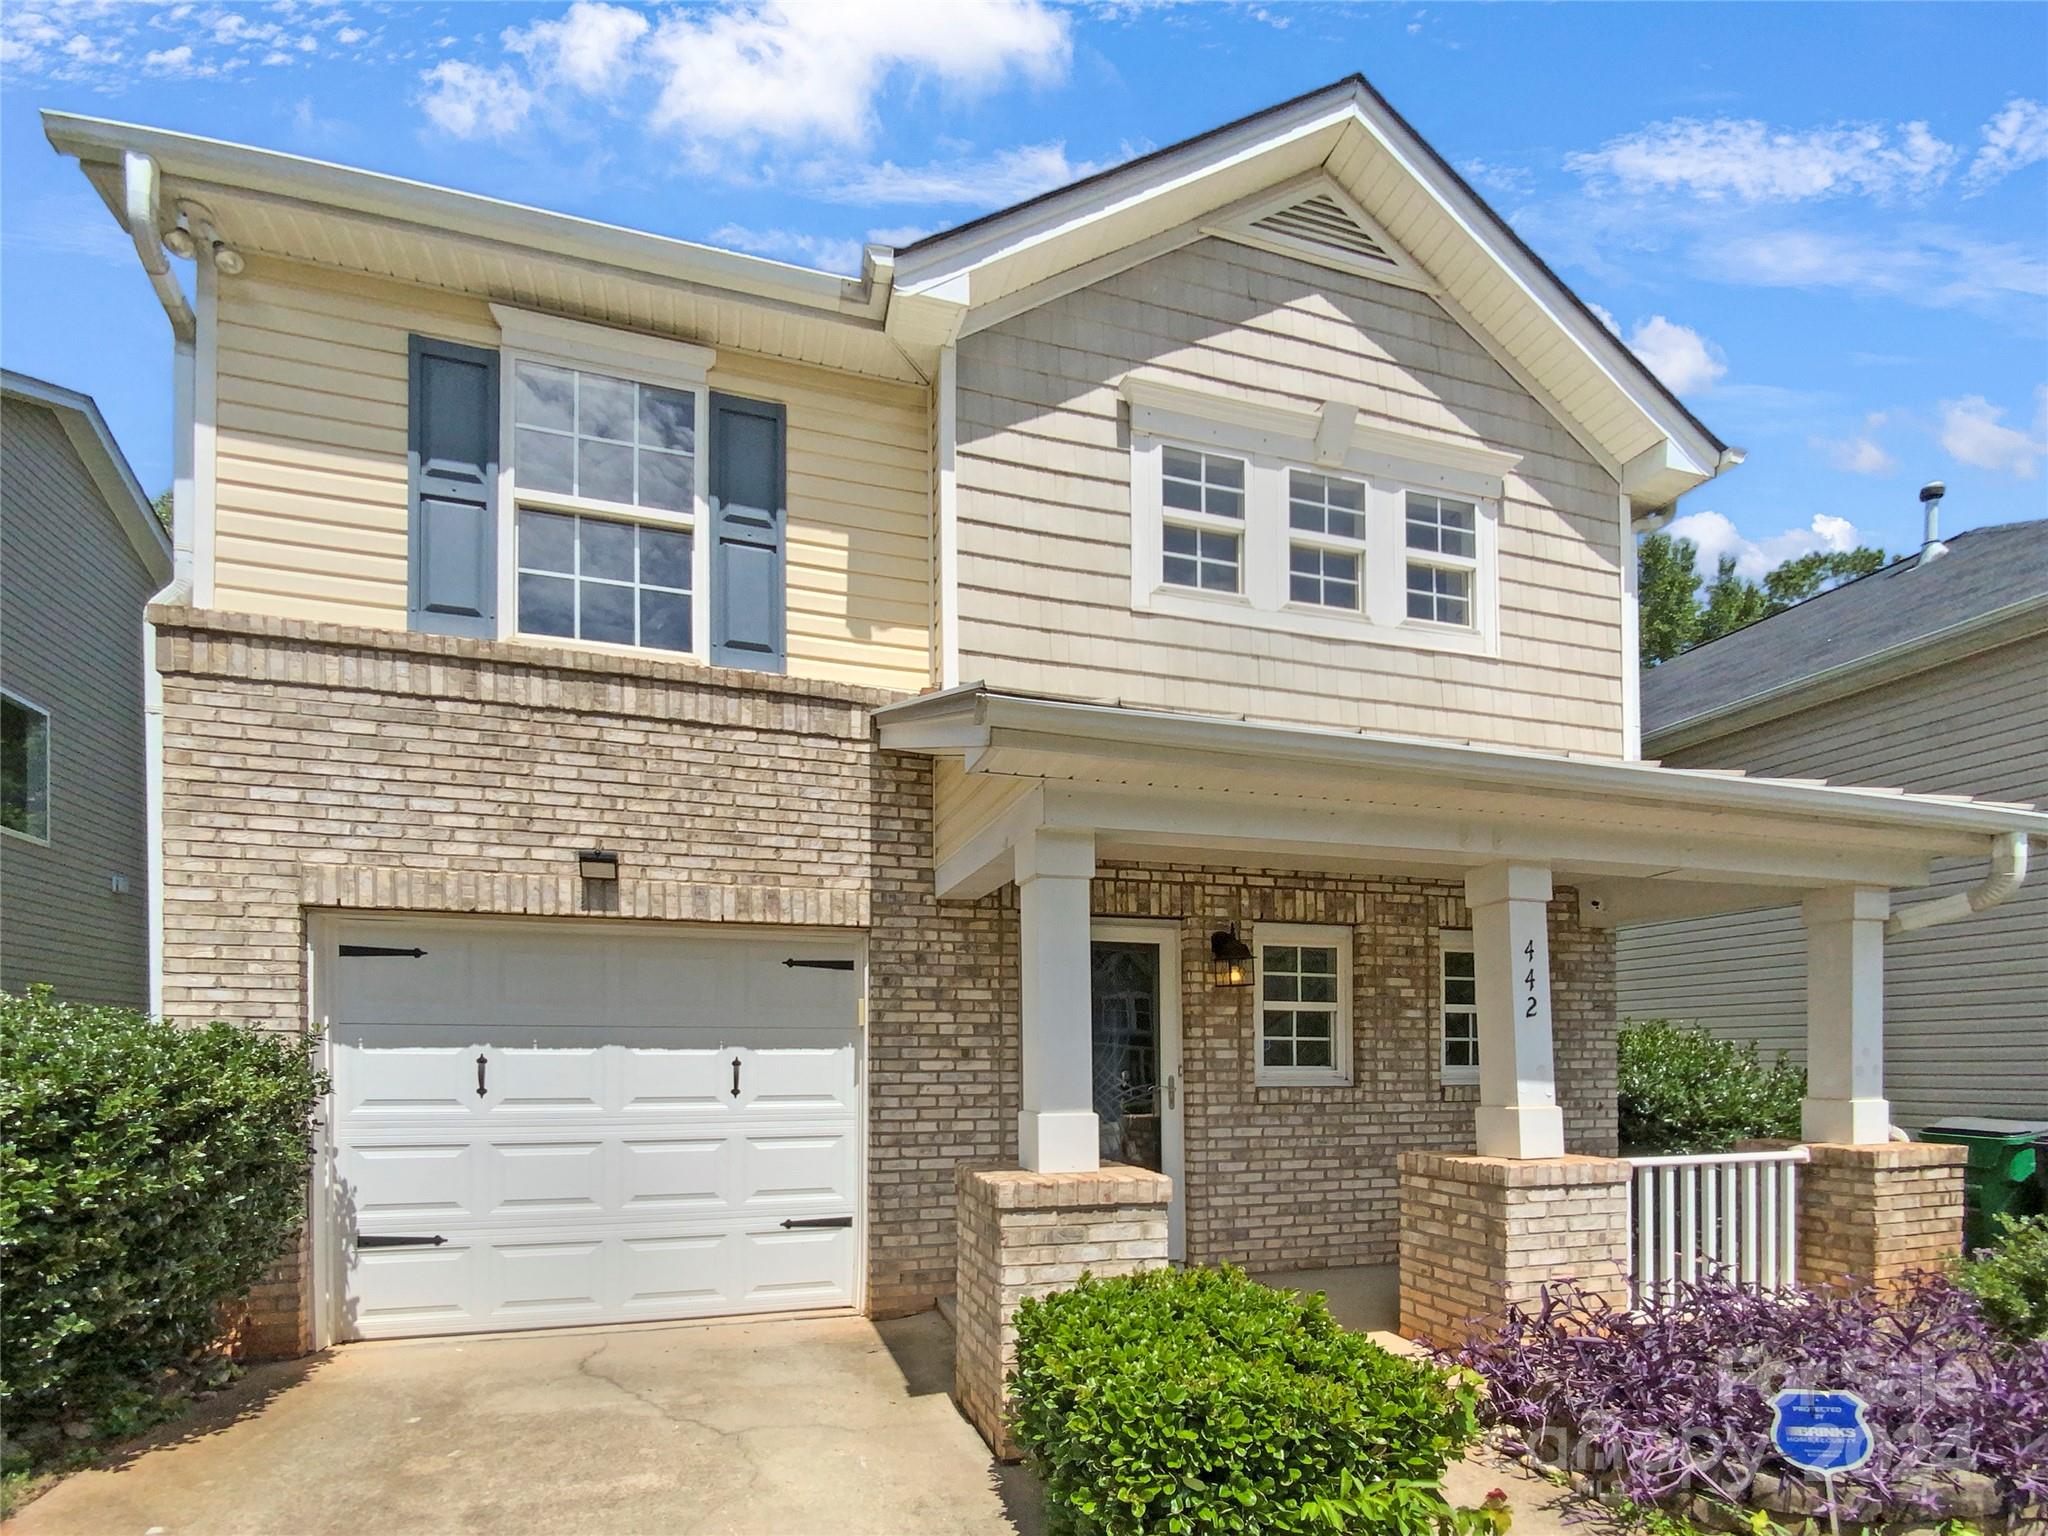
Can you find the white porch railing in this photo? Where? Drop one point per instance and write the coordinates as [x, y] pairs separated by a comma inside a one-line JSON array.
[[1727, 1215]]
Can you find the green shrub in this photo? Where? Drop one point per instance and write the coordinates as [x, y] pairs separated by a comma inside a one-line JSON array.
[[1199, 1400], [1684, 1090], [2010, 1278], [148, 1174]]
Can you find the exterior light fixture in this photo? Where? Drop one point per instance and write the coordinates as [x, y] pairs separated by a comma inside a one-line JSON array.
[[596, 864], [1233, 958]]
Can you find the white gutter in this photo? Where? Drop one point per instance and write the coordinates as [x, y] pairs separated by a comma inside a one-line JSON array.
[[2008, 874], [140, 187]]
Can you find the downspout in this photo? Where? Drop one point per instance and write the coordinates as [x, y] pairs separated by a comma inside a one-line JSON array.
[[2008, 874], [140, 204]]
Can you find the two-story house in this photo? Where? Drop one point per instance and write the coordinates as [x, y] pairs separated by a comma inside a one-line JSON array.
[[1146, 678]]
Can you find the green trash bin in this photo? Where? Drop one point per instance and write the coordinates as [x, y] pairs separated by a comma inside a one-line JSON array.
[[2000, 1178]]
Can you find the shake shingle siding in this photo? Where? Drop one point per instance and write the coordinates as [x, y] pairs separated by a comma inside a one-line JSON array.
[[71, 606], [1966, 1004]]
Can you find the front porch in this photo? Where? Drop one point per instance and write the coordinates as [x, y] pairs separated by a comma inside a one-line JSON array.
[[1344, 923]]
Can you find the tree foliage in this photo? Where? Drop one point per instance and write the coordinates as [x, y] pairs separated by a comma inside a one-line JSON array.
[[1680, 611]]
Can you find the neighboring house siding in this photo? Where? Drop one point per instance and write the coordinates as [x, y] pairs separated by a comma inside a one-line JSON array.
[[1966, 1004], [1045, 507], [311, 471], [71, 641]]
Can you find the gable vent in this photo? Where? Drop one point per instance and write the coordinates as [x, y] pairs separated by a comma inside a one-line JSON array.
[[1319, 221]]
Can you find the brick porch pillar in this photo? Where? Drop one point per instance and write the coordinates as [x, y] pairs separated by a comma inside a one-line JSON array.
[[1479, 1233], [1027, 1234], [1870, 1213]]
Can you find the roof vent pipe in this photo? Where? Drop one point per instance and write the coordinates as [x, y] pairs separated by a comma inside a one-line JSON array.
[[1930, 498]]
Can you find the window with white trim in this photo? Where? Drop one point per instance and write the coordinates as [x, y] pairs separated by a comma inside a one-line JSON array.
[[603, 485], [1443, 558], [1202, 527], [1458, 1007], [24, 767], [1308, 521], [1304, 1008]]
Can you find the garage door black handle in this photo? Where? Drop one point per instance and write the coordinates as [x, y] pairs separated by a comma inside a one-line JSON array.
[[375, 1241], [819, 1221]]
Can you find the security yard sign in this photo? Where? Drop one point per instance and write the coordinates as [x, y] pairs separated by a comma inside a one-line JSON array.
[[1824, 1432]]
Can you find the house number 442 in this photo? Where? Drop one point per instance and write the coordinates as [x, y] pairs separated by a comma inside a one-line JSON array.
[[1529, 994]]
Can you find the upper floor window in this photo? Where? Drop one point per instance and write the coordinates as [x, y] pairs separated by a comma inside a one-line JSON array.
[[1201, 538], [1458, 1008], [602, 439], [1308, 521], [24, 768]]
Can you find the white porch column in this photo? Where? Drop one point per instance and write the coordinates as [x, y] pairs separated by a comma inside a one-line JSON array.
[[1518, 1114], [1845, 1017], [1057, 1131]]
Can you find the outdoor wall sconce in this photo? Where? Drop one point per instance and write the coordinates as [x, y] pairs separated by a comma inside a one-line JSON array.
[[1233, 958], [596, 864]]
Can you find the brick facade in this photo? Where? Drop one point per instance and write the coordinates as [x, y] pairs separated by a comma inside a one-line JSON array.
[[1868, 1215], [1481, 1233], [309, 766], [1029, 1234]]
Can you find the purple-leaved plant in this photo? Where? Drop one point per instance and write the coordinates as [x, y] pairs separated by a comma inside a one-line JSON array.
[[1674, 1398]]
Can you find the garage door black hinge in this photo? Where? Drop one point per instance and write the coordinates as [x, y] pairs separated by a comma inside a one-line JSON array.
[[375, 951], [819, 965], [819, 1221]]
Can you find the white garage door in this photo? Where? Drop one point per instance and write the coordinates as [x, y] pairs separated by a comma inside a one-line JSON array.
[[543, 1124]]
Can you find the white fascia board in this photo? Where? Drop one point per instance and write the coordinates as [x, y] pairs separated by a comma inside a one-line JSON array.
[[1105, 731], [446, 211], [93, 441]]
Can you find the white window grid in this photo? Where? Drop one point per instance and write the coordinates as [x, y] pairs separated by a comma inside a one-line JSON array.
[[1442, 538], [1202, 500], [1458, 1006], [651, 431], [1326, 548], [655, 605], [1303, 977]]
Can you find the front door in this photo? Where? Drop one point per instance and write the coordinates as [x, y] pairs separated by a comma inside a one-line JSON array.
[[1135, 987]]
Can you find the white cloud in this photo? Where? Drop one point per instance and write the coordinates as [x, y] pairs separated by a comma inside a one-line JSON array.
[[1974, 433], [590, 46], [990, 181], [348, 37], [2016, 138], [471, 102], [1748, 161], [896, 236], [1606, 317], [1860, 453], [1509, 180], [825, 252], [169, 61], [1679, 355], [1715, 536], [1931, 265]]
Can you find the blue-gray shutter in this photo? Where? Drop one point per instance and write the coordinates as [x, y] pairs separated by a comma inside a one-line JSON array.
[[748, 520], [452, 543]]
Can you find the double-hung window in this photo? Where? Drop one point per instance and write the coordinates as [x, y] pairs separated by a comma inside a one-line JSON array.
[[1202, 524], [1443, 557], [1310, 521], [24, 768], [1458, 1008], [604, 470], [1304, 988]]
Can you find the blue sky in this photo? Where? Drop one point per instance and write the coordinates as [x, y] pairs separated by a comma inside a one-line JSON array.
[[1826, 227]]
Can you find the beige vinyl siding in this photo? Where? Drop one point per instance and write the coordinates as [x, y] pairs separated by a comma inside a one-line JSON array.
[[311, 471], [1045, 498], [1966, 1004], [71, 643]]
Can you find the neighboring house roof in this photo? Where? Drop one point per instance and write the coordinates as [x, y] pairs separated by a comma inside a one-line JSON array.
[[94, 443], [1990, 587], [1335, 174]]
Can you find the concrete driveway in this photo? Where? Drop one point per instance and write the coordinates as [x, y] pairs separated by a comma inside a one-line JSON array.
[[781, 1428]]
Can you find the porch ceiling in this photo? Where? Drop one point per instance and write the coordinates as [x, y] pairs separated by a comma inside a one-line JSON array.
[[1638, 840]]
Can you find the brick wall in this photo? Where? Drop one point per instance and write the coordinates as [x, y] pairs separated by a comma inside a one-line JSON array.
[[1480, 1233], [1029, 1234], [1870, 1214], [311, 766], [1282, 1178]]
